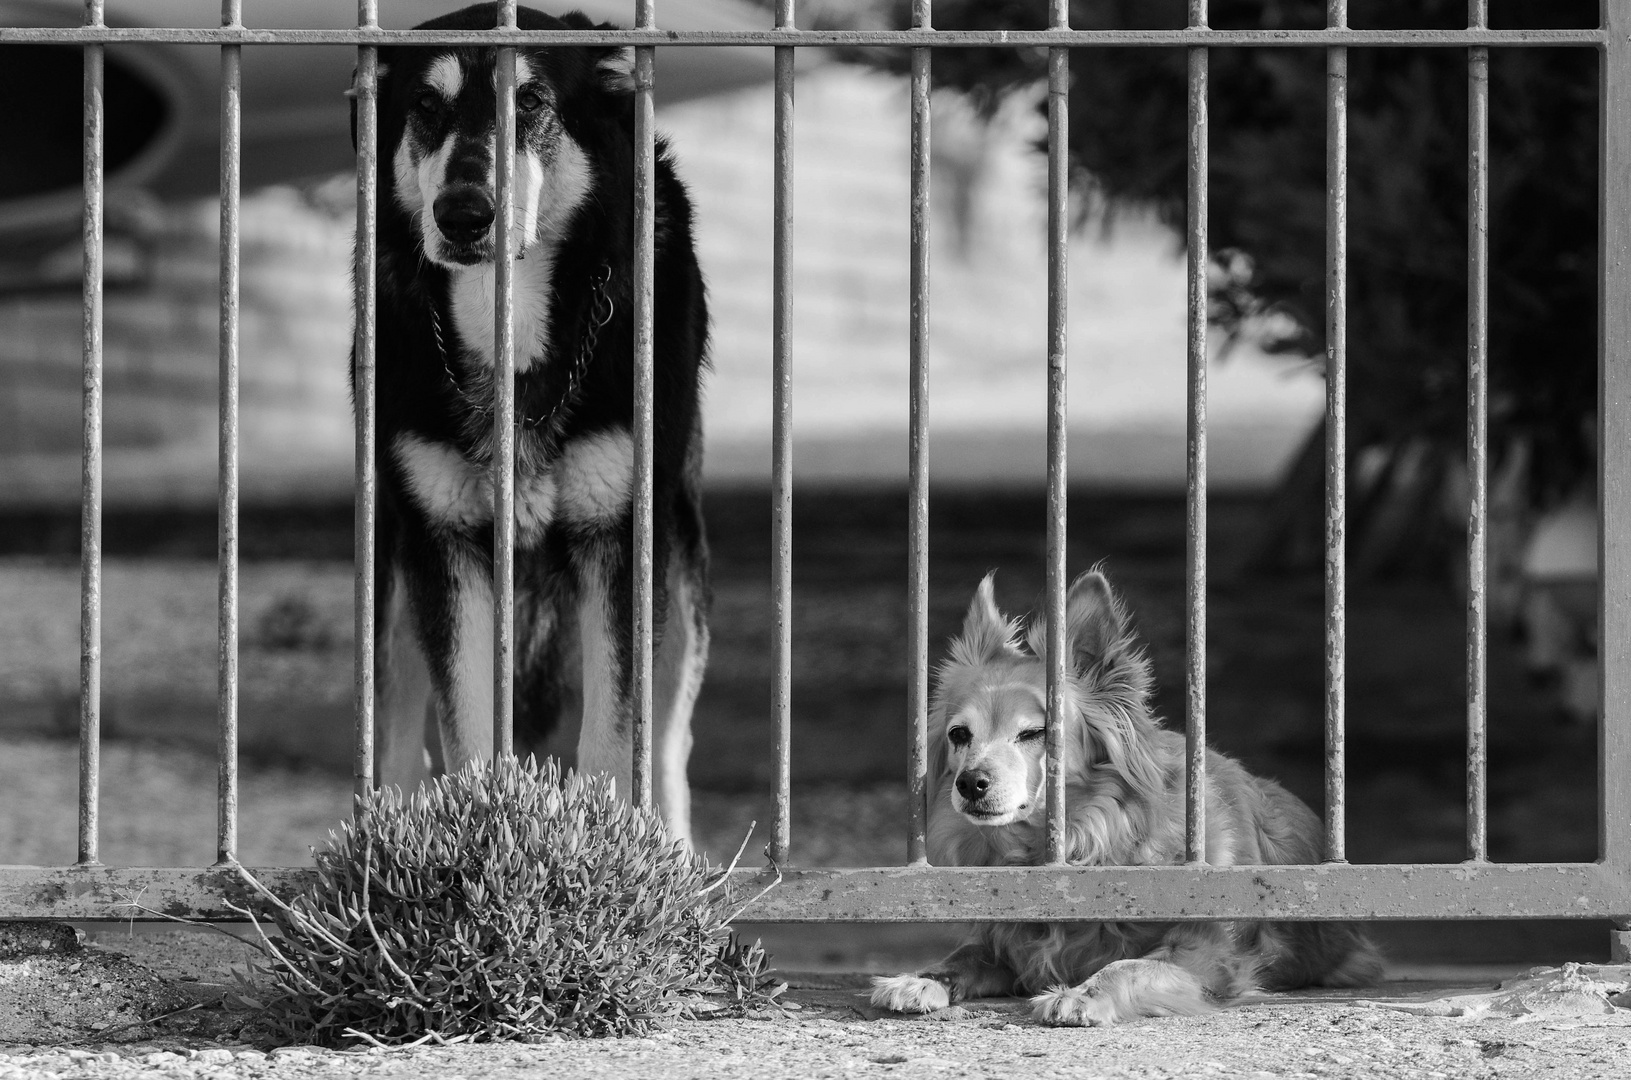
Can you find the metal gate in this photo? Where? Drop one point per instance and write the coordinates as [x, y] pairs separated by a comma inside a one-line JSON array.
[[1474, 888]]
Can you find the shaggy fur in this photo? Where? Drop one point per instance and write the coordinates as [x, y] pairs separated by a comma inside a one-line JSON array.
[[1125, 807]]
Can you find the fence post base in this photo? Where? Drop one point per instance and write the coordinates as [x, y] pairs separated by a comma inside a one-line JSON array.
[[1619, 943]]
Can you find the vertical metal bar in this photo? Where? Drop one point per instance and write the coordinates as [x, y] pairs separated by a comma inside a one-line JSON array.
[[645, 216], [917, 693], [227, 512], [1336, 426], [1058, 374], [90, 505], [781, 469], [1477, 434], [362, 277], [1614, 426], [503, 463], [1195, 549]]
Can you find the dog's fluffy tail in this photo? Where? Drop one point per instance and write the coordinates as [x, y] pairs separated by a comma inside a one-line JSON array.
[[1303, 954]]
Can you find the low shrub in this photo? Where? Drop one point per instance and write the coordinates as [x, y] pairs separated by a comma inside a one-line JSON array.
[[502, 902]]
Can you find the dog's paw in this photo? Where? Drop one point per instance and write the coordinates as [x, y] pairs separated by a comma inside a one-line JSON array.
[[909, 993], [1074, 1006]]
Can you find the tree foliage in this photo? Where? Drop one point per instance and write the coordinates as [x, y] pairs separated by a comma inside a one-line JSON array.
[[1408, 148]]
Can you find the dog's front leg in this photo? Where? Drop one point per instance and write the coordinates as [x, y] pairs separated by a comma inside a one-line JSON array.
[[1125, 990], [1197, 969], [454, 612], [402, 687], [680, 655], [605, 742], [973, 970]]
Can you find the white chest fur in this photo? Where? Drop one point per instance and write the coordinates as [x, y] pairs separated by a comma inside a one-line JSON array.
[[455, 492], [474, 307], [590, 484]]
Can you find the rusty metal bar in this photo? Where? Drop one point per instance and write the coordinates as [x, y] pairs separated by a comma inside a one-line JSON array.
[[639, 37], [1614, 441], [1195, 546], [1055, 848], [227, 511], [90, 498], [1477, 438], [1186, 892], [917, 691], [645, 216], [366, 91], [1336, 427], [503, 463], [781, 450]]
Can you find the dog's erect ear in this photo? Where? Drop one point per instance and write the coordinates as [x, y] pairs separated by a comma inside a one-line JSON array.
[[614, 65], [616, 68], [1095, 622], [986, 634], [351, 96], [1099, 640]]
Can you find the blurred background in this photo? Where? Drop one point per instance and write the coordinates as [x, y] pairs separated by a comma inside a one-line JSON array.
[[1407, 421]]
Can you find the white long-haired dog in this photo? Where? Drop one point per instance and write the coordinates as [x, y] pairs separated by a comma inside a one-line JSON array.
[[1124, 807]]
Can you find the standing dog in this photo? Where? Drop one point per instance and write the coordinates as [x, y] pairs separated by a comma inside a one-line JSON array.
[[1124, 783], [573, 281]]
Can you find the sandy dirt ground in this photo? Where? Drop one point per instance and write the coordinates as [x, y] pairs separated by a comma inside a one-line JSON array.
[[828, 1029]]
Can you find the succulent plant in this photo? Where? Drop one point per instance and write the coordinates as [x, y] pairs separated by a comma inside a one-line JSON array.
[[505, 901]]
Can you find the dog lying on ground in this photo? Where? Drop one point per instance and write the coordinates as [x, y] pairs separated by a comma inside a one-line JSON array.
[[1125, 807], [574, 327]]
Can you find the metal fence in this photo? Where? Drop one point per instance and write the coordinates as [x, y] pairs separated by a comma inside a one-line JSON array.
[[1474, 888]]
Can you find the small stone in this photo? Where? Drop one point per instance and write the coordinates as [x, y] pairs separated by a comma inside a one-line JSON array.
[[161, 1057], [249, 1055], [213, 1056]]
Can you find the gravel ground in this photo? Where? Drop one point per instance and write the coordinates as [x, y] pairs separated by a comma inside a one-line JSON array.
[[828, 1030]]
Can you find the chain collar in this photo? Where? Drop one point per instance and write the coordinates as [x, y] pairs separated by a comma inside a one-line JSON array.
[[599, 314]]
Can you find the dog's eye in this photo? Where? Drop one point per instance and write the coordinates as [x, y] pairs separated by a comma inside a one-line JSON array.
[[528, 101], [428, 103], [1032, 734], [959, 736]]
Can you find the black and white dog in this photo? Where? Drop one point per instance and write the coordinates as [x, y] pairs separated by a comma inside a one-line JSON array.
[[573, 281]]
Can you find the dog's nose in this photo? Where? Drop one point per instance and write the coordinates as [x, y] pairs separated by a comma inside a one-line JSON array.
[[464, 214], [971, 785]]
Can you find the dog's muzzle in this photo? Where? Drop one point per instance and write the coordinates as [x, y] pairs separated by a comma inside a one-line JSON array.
[[464, 213], [972, 785]]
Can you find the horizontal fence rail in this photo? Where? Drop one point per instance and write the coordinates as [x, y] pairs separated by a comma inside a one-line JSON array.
[[963, 894], [1475, 889], [940, 39]]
